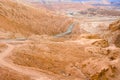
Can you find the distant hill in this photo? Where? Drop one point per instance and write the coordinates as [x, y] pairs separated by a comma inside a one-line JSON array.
[[22, 18]]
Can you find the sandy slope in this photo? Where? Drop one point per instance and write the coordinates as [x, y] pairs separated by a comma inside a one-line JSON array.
[[26, 71], [21, 18], [76, 59]]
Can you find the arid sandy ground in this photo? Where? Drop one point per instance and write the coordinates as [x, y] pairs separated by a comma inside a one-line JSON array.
[[30, 51]]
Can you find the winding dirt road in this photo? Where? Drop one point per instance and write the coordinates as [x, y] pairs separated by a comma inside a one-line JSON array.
[[35, 75]]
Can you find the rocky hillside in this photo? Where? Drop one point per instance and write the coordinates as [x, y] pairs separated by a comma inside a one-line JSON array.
[[21, 18], [93, 54], [115, 28]]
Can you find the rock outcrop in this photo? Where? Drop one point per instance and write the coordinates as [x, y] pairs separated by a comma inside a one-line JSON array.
[[115, 26], [115, 30], [117, 41]]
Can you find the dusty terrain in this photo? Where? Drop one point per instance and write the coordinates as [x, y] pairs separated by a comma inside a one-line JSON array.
[[65, 6], [30, 51]]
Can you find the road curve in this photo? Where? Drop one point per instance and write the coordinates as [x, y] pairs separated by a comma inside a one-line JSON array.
[[35, 75]]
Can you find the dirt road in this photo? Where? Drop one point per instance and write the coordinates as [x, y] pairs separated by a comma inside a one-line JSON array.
[[35, 75]]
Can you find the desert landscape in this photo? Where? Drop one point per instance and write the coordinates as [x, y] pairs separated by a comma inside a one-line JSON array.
[[59, 40]]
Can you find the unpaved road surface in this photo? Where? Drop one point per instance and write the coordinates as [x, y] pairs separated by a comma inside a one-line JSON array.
[[35, 75]]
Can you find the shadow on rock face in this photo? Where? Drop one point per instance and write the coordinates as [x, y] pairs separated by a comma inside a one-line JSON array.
[[117, 41]]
